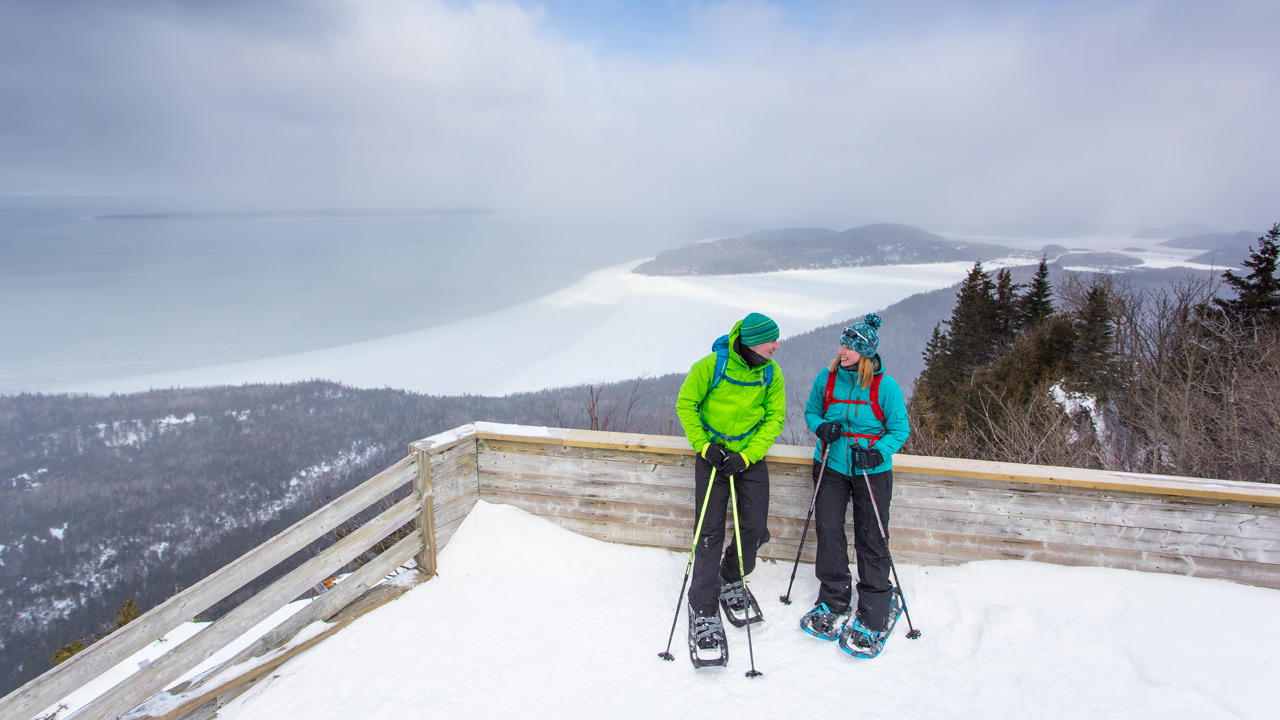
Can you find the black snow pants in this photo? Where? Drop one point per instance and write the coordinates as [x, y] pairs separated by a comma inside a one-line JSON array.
[[874, 589], [710, 567]]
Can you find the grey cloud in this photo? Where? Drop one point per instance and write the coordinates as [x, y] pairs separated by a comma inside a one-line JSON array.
[[1089, 114]]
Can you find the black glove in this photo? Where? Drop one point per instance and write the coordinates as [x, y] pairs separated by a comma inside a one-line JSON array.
[[829, 431], [734, 463], [874, 459], [714, 454], [858, 456], [864, 459]]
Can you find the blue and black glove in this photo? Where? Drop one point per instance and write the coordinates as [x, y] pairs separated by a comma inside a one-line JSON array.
[[874, 459], [829, 431]]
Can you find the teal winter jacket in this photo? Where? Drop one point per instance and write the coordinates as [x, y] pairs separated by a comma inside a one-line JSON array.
[[858, 418]]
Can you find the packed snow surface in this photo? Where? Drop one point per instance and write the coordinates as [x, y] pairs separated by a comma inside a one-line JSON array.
[[527, 619]]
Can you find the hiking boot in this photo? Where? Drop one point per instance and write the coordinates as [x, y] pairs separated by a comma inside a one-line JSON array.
[[707, 643], [708, 632], [739, 604], [820, 622], [861, 641]]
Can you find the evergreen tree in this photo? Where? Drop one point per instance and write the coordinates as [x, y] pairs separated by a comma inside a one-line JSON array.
[[975, 326], [1037, 303], [935, 380], [1258, 293], [1008, 319], [1093, 356]]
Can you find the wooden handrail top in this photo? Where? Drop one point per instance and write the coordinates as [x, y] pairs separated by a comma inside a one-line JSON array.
[[1228, 490]]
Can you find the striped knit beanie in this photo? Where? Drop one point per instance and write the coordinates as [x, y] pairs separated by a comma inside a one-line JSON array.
[[757, 329]]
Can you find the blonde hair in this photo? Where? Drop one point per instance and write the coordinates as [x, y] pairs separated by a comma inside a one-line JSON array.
[[866, 368]]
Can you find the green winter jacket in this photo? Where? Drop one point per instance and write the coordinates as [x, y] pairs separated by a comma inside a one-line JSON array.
[[733, 409], [858, 418]]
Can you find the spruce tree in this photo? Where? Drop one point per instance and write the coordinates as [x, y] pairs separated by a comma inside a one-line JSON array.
[[1037, 303], [974, 336], [1258, 293], [1008, 319], [1093, 355]]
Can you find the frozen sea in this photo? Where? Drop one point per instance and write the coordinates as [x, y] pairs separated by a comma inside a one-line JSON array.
[[87, 296], [104, 296]]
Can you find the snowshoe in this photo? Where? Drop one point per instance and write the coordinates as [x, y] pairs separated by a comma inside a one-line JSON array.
[[739, 604], [820, 622], [707, 643], [861, 641]]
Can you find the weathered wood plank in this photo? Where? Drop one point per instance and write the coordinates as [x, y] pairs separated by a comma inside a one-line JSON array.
[[1089, 534], [441, 442], [588, 471], [83, 667], [631, 507], [1091, 508], [426, 520], [446, 461], [127, 694], [321, 609], [445, 531], [1263, 493], [964, 547], [1137, 498], [448, 517]]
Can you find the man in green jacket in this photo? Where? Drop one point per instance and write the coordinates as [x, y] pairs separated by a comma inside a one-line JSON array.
[[732, 406]]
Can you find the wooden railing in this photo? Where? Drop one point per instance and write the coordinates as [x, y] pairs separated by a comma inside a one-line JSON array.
[[86, 666], [637, 489]]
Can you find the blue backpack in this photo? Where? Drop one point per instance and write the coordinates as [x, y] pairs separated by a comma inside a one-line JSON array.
[[721, 348]]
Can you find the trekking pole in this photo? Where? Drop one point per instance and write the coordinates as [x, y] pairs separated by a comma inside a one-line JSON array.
[[912, 633], [786, 599], [697, 532], [737, 539]]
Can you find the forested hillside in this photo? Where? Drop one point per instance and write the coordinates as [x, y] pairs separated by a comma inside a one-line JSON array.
[[1095, 372], [137, 496]]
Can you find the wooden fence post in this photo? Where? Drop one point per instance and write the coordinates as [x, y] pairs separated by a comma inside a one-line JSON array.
[[427, 515]]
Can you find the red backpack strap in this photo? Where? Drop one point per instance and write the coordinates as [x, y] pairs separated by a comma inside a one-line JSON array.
[[875, 400], [829, 395]]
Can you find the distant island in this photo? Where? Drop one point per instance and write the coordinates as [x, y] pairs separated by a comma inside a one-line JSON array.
[[1221, 249], [818, 248], [296, 214]]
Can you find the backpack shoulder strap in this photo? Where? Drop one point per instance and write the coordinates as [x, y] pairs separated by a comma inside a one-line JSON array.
[[875, 399], [722, 360], [829, 394]]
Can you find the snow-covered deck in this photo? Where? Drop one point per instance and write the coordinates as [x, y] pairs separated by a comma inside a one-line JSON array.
[[636, 489]]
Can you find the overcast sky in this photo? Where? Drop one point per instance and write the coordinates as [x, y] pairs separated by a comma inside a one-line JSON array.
[[952, 116]]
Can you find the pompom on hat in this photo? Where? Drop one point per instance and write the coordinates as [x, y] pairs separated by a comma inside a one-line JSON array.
[[863, 337], [757, 329]]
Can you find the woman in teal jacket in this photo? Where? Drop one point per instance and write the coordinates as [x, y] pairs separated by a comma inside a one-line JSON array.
[[860, 418]]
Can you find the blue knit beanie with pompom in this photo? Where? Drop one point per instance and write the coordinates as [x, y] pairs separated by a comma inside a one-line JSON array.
[[863, 337]]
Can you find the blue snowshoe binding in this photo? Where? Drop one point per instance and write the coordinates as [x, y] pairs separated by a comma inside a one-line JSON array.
[[861, 641], [707, 643], [739, 604], [820, 622]]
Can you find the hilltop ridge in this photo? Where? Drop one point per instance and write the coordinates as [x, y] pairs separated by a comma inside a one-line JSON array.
[[819, 248]]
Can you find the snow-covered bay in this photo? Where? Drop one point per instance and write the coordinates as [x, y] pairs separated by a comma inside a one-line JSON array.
[[610, 325], [525, 615]]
